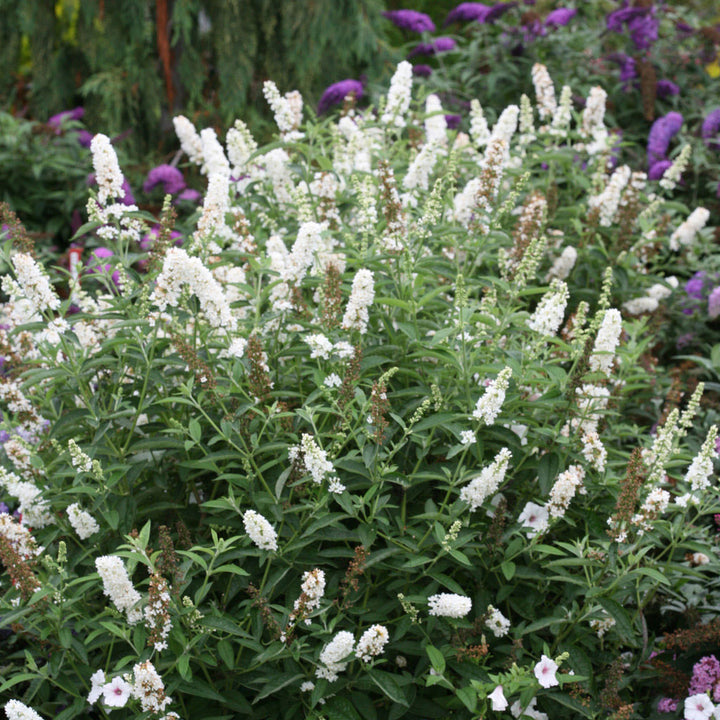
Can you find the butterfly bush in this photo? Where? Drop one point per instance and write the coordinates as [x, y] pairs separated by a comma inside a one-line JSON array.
[[377, 432]]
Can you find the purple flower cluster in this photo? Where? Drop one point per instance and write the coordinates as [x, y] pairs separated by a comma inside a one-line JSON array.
[[410, 20], [706, 673], [438, 45], [666, 88], [166, 175], [663, 130], [57, 120], [96, 266], [477, 12], [703, 288], [627, 68], [640, 21], [711, 128], [560, 16], [422, 70], [667, 705], [337, 92]]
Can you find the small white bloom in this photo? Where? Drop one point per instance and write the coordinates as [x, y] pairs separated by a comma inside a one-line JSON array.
[[535, 517], [467, 437], [97, 681], [307, 686], [15, 710], [497, 697], [332, 380], [545, 672], [333, 655]]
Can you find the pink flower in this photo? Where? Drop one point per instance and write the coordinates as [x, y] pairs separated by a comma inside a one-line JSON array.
[[116, 692], [545, 672], [499, 703]]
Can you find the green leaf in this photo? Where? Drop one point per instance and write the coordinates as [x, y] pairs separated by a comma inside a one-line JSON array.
[[389, 685], [618, 614], [195, 430], [225, 651], [437, 659], [340, 708], [508, 569], [468, 697], [231, 569], [278, 682]]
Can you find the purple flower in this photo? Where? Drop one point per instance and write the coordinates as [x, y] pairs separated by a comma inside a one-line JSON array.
[[128, 198], [57, 120], [99, 254], [683, 29], [682, 342], [410, 20], [714, 303], [336, 93], [498, 10], [3, 507], [710, 128], [658, 169], [663, 130], [189, 194], [84, 137], [627, 67], [706, 673], [422, 70], [665, 88], [467, 12], [561, 16], [694, 286], [453, 121], [4, 437], [441, 44], [166, 175], [667, 705], [614, 21], [644, 30]]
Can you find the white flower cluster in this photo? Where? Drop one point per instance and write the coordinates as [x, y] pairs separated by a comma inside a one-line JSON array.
[[593, 121], [287, 110], [32, 284], [497, 622], [108, 175], [563, 491], [672, 175], [607, 340], [655, 505], [591, 401], [372, 642], [398, 98], [333, 656], [549, 314], [80, 461], [701, 468], [487, 483], [562, 116], [435, 123], [490, 403], [449, 605], [529, 711], [313, 589], [593, 450], [190, 141], [15, 710], [214, 160], [148, 688], [31, 505], [608, 201], [157, 617], [526, 122], [180, 269], [118, 587], [479, 131], [544, 91], [686, 232], [215, 205], [19, 537], [651, 300], [261, 532], [361, 297], [83, 523], [240, 146], [563, 264], [505, 127], [602, 625], [314, 458]]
